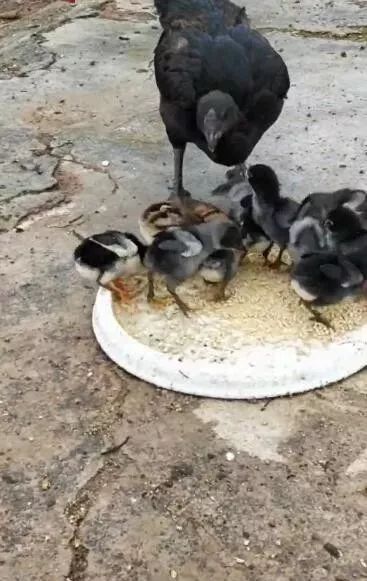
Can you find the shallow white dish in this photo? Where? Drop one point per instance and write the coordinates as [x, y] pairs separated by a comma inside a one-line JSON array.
[[263, 371]]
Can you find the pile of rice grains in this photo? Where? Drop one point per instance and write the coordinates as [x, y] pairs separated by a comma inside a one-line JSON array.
[[261, 308]]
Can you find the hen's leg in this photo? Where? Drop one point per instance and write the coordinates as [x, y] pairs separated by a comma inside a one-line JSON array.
[[178, 158]]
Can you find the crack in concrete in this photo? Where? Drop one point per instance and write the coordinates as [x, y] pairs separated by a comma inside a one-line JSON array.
[[41, 211], [32, 192], [46, 140], [357, 35], [76, 512]]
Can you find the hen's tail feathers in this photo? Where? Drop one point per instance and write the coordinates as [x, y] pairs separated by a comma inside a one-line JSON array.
[[174, 13]]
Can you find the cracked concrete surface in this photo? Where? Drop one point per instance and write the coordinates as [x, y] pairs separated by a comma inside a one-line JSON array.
[[77, 89]]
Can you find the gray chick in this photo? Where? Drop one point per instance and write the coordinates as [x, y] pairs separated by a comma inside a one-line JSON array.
[[324, 279], [325, 220], [241, 211], [179, 254], [220, 268], [272, 212]]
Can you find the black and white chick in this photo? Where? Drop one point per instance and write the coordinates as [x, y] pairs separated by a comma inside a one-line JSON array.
[[325, 220], [105, 258], [273, 213], [178, 254], [325, 279]]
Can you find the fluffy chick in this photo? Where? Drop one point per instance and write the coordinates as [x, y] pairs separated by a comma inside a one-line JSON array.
[[178, 254], [240, 199], [220, 268], [323, 279], [105, 257], [174, 213], [273, 213], [325, 220]]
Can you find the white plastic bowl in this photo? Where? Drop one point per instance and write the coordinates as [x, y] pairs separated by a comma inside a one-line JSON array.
[[264, 371]]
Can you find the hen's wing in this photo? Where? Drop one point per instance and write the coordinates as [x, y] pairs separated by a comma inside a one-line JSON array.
[[189, 64], [268, 68]]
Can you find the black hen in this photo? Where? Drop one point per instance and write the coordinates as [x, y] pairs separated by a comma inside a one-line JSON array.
[[221, 83]]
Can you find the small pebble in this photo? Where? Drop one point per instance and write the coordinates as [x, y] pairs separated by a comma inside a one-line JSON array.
[[230, 456], [45, 484], [240, 561], [105, 163], [332, 550], [173, 574]]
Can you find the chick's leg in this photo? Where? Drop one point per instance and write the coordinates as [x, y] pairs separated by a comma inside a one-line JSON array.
[[278, 261], [317, 316], [267, 252], [220, 294], [117, 292], [151, 297], [171, 287], [232, 262], [127, 291]]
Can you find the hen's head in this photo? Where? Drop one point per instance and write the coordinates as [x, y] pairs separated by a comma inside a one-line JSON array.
[[216, 114]]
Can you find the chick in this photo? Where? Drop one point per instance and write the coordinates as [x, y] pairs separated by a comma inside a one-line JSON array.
[[104, 258], [159, 218], [253, 236], [174, 213], [241, 212], [178, 254], [273, 213], [324, 279], [220, 268], [325, 220]]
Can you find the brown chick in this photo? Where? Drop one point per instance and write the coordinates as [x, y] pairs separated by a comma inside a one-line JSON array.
[[175, 213]]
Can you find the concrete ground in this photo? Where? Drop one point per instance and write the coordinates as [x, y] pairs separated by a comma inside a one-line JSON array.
[[202, 490]]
